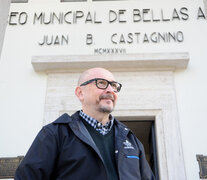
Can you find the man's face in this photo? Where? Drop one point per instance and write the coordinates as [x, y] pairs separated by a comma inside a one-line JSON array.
[[95, 99]]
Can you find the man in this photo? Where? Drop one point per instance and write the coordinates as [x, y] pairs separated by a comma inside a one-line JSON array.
[[89, 145]]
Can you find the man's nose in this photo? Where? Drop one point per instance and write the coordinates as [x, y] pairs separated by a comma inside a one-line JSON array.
[[109, 88]]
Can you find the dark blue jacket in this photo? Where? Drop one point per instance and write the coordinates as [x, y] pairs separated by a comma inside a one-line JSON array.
[[64, 150]]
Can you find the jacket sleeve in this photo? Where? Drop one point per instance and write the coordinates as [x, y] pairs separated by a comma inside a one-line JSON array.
[[39, 162], [145, 170]]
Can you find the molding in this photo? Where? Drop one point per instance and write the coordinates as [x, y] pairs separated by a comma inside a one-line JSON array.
[[120, 62], [87, 0], [19, 1], [73, 0]]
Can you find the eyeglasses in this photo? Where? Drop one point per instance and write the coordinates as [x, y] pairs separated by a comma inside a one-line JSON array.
[[103, 84]]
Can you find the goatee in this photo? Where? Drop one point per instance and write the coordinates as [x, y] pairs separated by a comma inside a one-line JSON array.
[[106, 109]]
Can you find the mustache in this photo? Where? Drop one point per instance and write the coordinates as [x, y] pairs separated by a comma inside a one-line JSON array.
[[107, 96]]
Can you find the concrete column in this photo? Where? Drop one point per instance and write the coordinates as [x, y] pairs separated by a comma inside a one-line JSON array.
[[4, 11]]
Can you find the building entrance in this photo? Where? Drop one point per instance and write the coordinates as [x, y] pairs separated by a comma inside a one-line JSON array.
[[145, 132]]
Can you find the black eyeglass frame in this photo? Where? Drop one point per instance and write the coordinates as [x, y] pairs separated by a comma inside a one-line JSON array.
[[108, 82]]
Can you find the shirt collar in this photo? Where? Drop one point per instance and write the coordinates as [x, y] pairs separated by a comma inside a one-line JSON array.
[[98, 126]]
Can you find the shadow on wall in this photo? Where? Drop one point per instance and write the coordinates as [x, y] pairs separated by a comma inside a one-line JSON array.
[[4, 11]]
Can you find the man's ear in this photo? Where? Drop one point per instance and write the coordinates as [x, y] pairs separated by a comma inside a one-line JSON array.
[[79, 93]]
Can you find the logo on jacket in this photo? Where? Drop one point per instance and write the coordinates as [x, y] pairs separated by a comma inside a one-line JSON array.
[[128, 145]]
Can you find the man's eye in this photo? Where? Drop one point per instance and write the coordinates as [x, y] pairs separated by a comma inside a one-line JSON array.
[[102, 82], [114, 85]]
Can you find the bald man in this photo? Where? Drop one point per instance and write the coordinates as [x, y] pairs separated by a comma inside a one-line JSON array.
[[89, 145]]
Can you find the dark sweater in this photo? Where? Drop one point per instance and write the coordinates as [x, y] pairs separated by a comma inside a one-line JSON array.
[[105, 144]]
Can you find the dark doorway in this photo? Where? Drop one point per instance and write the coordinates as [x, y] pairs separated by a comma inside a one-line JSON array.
[[145, 132]]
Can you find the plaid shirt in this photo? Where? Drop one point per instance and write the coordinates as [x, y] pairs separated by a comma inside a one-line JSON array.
[[102, 129]]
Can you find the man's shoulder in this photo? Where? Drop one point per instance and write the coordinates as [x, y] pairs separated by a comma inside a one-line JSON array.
[[122, 127], [120, 124], [62, 121], [66, 118]]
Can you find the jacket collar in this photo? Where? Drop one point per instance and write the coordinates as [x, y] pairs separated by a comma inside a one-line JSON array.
[[65, 119], [78, 128]]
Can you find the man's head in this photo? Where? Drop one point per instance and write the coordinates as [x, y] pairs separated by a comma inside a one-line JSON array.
[[97, 91]]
